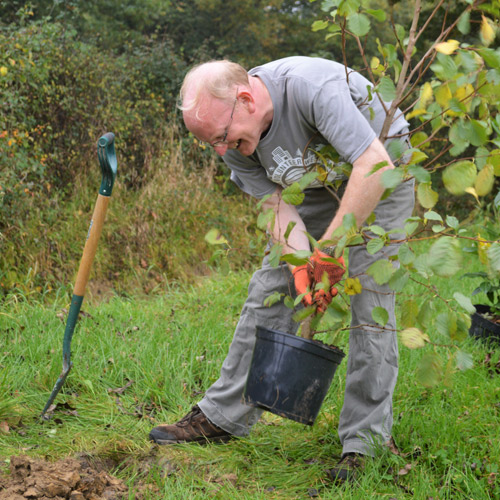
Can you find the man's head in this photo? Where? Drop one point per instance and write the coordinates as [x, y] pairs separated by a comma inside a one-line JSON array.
[[219, 105]]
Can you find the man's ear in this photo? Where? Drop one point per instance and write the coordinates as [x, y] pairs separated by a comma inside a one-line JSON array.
[[246, 98]]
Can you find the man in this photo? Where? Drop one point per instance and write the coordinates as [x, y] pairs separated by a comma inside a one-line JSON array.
[[267, 125]]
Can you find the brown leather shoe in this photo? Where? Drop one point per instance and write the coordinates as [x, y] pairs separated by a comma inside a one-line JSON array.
[[194, 427], [347, 468]]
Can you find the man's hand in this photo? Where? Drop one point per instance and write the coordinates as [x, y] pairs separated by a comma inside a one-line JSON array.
[[334, 273], [303, 279]]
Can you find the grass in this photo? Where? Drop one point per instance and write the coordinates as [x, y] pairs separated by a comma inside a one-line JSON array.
[[139, 363]]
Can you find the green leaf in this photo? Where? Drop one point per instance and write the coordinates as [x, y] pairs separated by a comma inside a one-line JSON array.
[[418, 138], [410, 228], [464, 302], [289, 229], [386, 89], [452, 222], [297, 258], [427, 197], [429, 370], [349, 222], [396, 149], [377, 167], [289, 302], [438, 228], [463, 326], [347, 7], [380, 315], [477, 134], [491, 57], [392, 178], [464, 360], [409, 312], [419, 173], [381, 271], [430, 215], [214, 237], [425, 314], [359, 24], [374, 245], [319, 25], [302, 314], [464, 23], [399, 279], [405, 254], [307, 179], [378, 14], [422, 267], [445, 67], [457, 106], [275, 254], [265, 218], [293, 194], [413, 338], [446, 324], [494, 257], [445, 257], [418, 157], [378, 230], [336, 312], [272, 299], [481, 157], [459, 176]]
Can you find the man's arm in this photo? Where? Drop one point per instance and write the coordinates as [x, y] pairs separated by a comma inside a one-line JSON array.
[[284, 214], [363, 191]]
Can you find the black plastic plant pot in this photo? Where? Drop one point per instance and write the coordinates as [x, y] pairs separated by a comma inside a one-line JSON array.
[[289, 375], [481, 327]]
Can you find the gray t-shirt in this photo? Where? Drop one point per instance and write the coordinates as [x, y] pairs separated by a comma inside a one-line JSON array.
[[314, 105]]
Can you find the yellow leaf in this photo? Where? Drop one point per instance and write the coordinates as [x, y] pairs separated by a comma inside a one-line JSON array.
[[447, 47], [487, 31], [484, 180], [374, 63], [493, 159], [482, 248], [443, 95], [425, 95], [472, 191], [465, 94], [413, 338], [415, 112], [352, 286]]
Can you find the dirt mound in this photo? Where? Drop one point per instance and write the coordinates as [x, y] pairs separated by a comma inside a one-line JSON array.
[[67, 479]]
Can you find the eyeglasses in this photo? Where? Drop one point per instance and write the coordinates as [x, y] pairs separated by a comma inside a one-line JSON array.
[[223, 141]]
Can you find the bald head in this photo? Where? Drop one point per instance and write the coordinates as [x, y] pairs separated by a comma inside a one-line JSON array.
[[216, 79]]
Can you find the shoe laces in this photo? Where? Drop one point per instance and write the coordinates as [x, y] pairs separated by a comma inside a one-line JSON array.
[[187, 420]]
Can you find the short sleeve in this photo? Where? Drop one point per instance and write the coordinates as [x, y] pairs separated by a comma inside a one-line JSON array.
[[340, 122]]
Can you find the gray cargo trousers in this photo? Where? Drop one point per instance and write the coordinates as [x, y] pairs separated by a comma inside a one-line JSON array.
[[372, 364]]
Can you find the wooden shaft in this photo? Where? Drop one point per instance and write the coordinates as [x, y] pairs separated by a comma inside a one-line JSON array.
[[90, 248]]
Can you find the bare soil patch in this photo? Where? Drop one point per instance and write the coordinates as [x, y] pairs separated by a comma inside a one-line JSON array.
[[67, 479]]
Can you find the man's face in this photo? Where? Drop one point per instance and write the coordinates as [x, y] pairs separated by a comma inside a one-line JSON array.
[[225, 125]]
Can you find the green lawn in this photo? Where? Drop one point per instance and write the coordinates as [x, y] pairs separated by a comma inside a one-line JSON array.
[[138, 363]]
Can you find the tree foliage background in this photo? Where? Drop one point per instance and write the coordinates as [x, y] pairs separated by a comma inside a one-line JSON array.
[[72, 70]]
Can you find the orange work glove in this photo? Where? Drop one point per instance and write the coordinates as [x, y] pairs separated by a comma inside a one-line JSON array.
[[334, 272], [303, 279]]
